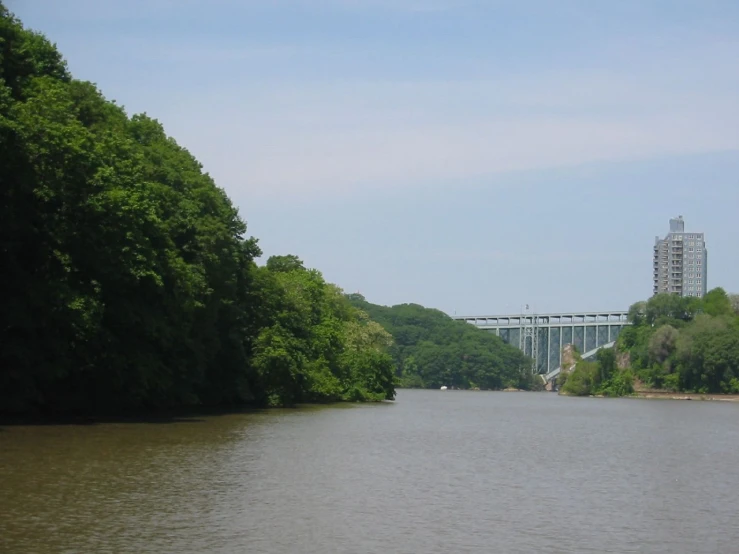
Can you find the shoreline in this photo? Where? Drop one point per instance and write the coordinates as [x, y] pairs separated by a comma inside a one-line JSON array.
[[667, 395]]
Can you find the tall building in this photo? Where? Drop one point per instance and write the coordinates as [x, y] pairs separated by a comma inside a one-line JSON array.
[[680, 261]]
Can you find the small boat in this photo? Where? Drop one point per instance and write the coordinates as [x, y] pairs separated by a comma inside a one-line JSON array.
[[443, 387]]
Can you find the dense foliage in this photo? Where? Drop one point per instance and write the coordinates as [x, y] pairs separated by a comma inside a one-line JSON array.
[[128, 280], [685, 344], [431, 349], [314, 345], [598, 377]]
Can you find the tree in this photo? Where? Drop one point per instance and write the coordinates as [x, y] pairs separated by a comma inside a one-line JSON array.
[[599, 377], [316, 346], [666, 307], [687, 344], [708, 355], [637, 312], [583, 380], [717, 303], [606, 358], [431, 349], [734, 300], [662, 344], [284, 263], [129, 281]]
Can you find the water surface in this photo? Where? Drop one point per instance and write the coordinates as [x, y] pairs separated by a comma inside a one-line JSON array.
[[434, 472]]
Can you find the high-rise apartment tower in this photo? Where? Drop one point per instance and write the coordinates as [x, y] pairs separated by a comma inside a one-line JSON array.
[[680, 261]]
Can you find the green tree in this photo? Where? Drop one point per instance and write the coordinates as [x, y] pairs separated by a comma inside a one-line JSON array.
[[432, 350], [599, 377], [734, 300], [637, 313], [583, 380], [129, 281], [717, 303], [667, 308], [318, 347], [606, 359], [284, 263], [662, 343], [708, 355], [686, 344]]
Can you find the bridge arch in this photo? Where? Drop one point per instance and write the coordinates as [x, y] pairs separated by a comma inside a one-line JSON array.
[[543, 336]]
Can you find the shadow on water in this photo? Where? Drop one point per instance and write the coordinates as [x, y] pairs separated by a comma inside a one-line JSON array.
[[148, 417], [158, 417]]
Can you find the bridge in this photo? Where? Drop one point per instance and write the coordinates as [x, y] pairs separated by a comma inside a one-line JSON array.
[[542, 336]]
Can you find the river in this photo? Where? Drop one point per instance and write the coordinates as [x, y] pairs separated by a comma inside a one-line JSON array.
[[434, 472]]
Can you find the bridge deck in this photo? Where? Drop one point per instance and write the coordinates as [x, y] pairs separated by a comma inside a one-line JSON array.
[[543, 320], [543, 336]]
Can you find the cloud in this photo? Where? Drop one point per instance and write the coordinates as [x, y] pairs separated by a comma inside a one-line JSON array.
[[322, 113], [388, 155], [337, 137]]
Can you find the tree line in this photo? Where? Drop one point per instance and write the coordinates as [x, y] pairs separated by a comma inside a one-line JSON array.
[[430, 350], [129, 281], [680, 344]]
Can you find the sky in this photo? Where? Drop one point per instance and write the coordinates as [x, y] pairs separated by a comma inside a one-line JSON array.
[[464, 155]]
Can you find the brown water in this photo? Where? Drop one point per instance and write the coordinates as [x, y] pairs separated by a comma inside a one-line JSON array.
[[435, 472]]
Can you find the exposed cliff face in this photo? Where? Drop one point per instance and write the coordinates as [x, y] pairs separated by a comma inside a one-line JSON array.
[[623, 360], [569, 357], [569, 360]]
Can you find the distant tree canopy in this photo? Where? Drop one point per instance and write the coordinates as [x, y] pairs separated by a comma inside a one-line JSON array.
[[431, 349], [677, 343], [734, 300], [685, 344], [284, 264], [128, 278]]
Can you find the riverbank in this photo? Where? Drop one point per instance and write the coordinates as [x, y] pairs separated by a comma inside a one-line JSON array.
[[640, 392], [668, 395]]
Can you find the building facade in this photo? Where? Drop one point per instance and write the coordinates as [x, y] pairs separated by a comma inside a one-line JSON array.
[[680, 261]]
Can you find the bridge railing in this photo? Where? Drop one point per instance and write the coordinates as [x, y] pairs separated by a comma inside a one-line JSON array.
[[543, 320]]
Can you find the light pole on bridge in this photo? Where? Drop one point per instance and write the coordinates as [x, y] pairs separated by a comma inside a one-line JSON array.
[[528, 329]]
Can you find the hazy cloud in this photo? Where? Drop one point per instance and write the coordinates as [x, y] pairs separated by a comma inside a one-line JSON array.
[[338, 136], [288, 113]]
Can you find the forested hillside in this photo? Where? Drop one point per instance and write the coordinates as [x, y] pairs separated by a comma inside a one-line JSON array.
[[431, 349], [684, 344], [129, 281]]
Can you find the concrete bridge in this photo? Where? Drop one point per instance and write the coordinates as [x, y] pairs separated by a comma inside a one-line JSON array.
[[542, 336]]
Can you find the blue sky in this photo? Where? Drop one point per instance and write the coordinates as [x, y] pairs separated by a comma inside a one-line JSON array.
[[466, 155]]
